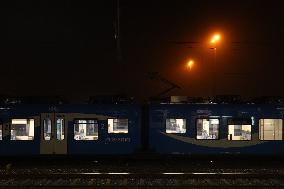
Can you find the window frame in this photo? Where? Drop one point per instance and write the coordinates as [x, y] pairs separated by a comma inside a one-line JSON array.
[[270, 118], [250, 121], [165, 123], [10, 128], [207, 118], [128, 130], [74, 120]]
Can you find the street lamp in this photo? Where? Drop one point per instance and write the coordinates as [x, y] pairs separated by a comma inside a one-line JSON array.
[[190, 64], [214, 40]]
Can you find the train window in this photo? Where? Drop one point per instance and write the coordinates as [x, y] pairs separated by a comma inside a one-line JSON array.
[[47, 129], [270, 129], [0, 131], [175, 125], [22, 129], [60, 129], [207, 128], [117, 125], [85, 130], [239, 129]]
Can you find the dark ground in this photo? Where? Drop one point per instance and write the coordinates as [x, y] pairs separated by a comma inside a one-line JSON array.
[[137, 172]]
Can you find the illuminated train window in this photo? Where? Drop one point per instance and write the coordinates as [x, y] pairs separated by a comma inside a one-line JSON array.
[[239, 129], [175, 125], [86, 129], [47, 129], [60, 129], [22, 129], [207, 128], [270, 129], [117, 125], [0, 131]]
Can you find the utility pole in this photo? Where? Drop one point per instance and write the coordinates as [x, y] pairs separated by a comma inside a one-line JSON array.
[[117, 33], [119, 62]]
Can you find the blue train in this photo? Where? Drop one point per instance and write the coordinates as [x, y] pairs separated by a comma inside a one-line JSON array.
[[129, 129], [249, 129], [32, 129]]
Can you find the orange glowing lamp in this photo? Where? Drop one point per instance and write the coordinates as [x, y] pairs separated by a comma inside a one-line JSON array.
[[190, 64], [215, 38]]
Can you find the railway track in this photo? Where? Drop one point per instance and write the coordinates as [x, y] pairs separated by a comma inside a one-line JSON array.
[[141, 174], [144, 180], [144, 175]]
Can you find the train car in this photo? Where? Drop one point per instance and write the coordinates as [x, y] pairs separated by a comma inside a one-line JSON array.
[[208, 128], [70, 129]]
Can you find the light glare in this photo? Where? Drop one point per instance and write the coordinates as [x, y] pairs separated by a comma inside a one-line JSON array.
[[215, 38], [190, 64]]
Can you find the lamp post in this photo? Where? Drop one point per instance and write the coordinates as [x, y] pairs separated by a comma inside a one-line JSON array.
[[215, 39]]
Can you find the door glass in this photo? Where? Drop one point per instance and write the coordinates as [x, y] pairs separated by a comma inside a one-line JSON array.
[[47, 129], [1, 132], [60, 129]]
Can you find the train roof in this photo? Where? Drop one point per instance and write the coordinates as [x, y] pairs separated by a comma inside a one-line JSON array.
[[123, 99], [219, 99], [59, 100], [13, 100]]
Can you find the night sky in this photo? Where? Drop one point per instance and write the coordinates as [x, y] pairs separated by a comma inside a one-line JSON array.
[[68, 48]]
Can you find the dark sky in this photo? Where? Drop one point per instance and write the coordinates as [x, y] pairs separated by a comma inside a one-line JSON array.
[[68, 48]]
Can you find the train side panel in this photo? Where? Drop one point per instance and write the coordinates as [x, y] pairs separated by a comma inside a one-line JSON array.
[[51, 140], [187, 143], [107, 143], [9, 145]]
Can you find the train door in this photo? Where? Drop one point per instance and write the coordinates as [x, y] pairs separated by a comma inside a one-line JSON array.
[[53, 133]]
